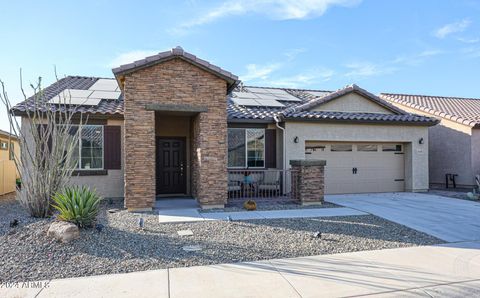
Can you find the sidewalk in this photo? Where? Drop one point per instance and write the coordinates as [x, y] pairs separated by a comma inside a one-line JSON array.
[[451, 269]]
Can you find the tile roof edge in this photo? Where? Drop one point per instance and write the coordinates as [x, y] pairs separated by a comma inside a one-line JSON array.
[[424, 95], [340, 92], [431, 111], [177, 52]]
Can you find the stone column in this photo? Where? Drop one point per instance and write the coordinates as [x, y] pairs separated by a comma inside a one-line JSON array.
[[309, 184]]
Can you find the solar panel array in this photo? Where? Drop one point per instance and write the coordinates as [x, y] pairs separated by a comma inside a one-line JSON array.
[[272, 93], [102, 89], [266, 97]]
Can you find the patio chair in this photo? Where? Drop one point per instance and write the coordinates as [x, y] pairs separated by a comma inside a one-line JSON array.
[[270, 182], [235, 182]]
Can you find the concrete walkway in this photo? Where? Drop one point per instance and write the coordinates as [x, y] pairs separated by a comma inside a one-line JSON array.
[[193, 215], [449, 219], [450, 270]]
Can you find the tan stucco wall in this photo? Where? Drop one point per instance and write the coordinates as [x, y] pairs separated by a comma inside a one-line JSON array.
[[110, 185], [451, 150], [176, 126], [416, 155], [352, 102]]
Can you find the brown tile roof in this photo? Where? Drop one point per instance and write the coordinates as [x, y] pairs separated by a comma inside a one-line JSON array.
[[105, 107], [178, 52], [461, 110], [292, 110]]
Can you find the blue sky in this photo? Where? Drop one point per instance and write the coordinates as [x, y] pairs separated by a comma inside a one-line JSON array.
[[409, 46]]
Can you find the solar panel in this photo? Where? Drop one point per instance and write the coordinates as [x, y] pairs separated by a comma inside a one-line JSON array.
[[271, 93], [67, 93], [75, 101], [246, 102], [287, 97], [104, 85], [277, 91], [105, 94], [318, 93], [270, 103], [266, 96], [244, 95], [258, 90]]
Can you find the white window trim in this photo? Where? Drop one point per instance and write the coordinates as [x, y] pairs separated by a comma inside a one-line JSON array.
[[79, 168], [245, 166]]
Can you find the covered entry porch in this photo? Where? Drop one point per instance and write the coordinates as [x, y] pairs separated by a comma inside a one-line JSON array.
[[174, 167]]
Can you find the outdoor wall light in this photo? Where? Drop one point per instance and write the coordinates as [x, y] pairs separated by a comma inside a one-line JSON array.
[[420, 141], [295, 140]]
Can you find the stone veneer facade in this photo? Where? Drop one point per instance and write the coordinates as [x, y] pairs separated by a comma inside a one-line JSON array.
[[175, 82], [309, 187]]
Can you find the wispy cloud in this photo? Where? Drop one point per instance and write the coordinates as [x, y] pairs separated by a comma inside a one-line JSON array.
[[471, 52], [468, 40], [367, 69], [277, 10], [304, 79], [416, 59], [129, 57], [364, 69], [448, 29], [259, 72], [273, 74]]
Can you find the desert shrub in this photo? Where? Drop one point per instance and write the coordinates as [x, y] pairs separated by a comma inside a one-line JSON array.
[[78, 205]]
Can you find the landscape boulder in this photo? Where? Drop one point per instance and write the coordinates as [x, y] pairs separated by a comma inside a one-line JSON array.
[[63, 231]]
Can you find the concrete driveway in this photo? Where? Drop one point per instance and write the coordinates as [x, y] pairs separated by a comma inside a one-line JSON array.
[[449, 219]]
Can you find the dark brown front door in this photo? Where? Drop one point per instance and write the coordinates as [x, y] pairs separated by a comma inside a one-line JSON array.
[[171, 166]]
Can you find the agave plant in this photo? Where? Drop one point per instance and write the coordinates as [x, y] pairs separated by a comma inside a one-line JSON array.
[[78, 205]]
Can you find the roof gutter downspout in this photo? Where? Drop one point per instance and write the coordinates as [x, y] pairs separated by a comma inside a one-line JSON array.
[[284, 149]]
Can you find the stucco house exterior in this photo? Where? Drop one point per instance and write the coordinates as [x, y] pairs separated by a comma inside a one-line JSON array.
[[9, 149], [454, 144], [174, 124]]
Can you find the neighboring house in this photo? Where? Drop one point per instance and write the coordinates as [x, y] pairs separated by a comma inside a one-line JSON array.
[[174, 124], [454, 144], [9, 148]]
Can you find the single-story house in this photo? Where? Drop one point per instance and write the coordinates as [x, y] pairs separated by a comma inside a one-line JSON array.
[[9, 149], [454, 144], [174, 124]]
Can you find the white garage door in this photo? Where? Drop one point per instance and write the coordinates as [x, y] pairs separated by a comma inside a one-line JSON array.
[[360, 167]]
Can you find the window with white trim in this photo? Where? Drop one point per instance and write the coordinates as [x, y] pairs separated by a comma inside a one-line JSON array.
[[246, 148], [88, 153]]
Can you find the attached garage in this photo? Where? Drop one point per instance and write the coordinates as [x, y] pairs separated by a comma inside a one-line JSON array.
[[360, 167], [368, 144]]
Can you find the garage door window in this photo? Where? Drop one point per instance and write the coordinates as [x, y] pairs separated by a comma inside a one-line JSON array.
[[341, 148], [392, 148], [367, 148]]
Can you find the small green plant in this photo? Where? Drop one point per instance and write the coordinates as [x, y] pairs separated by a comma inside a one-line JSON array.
[[78, 205]]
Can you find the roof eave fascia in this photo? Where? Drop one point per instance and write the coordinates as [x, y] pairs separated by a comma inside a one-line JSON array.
[[420, 123]]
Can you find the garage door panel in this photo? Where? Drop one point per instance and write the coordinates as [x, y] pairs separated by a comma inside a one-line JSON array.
[[377, 171]]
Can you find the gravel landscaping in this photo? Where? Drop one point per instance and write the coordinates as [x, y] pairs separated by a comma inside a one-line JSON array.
[[27, 254]]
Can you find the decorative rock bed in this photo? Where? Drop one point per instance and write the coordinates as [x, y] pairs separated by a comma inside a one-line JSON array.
[[121, 246]]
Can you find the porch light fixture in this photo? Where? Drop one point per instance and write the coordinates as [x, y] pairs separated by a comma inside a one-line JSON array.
[[420, 141], [295, 140]]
